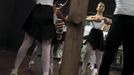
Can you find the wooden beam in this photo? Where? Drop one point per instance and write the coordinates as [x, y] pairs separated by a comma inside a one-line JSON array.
[[73, 42]]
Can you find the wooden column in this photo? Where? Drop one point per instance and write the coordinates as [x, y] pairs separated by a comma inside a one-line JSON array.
[[73, 42]]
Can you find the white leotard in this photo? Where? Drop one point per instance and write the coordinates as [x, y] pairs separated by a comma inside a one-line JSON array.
[[45, 2], [125, 7], [97, 25]]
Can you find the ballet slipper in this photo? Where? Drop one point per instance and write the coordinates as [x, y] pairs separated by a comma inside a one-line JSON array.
[[14, 72], [30, 64]]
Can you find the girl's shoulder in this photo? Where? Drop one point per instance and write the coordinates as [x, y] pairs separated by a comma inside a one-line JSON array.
[[90, 17]]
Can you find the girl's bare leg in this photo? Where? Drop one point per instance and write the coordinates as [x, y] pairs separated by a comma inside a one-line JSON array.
[[99, 55], [27, 42], [46, 47], [51, 60], [35, 53], [61, 48], [88, 58]]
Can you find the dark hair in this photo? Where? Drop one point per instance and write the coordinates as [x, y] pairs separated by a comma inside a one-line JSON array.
[[102, 2], [58, 5]]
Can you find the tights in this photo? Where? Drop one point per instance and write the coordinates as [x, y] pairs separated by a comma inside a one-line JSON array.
[[45, 47], [92, 57]]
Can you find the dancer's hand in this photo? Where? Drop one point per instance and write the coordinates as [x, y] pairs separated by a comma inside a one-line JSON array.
[[107, 20], [93, 18], [96, 19]]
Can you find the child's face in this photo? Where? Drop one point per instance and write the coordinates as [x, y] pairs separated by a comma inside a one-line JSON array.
[[100, 7]]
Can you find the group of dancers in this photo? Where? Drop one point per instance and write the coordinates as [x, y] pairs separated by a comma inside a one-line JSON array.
[[48, 30], [41, 25], [95, 40]]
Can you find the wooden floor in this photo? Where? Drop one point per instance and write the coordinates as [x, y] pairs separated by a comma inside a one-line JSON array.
[[7, 60]]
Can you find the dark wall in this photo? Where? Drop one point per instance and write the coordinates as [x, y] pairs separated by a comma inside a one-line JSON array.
[[64, 9], [13, 13], [5, 17], [109, 7]]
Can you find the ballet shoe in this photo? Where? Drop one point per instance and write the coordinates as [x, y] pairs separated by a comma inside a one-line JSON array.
[[46, 73], [59, 62], [82, 72], [94, 72], [14, 72], [30, 64], [51, 69]]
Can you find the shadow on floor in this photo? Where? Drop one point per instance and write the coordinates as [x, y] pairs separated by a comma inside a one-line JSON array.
[[7, 59]]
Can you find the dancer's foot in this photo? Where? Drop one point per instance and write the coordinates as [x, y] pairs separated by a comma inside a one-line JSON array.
[[94, 72], [82, 72], [14, 72], [46, 73], [91, 67], [51, 69], [30, 64], [59, 62]]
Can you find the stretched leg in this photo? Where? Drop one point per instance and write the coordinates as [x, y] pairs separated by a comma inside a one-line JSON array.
[[37, 49], [56, 46], [128, 47], [61, 48], [46, 47], [98, 55], [113, 41], [128, 62], [55, 49], [27, 42], [88, 57], [51, 60], [35, 53]]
